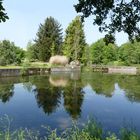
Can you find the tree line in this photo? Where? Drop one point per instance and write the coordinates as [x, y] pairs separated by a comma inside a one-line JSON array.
[[49, 41], [126, 54]]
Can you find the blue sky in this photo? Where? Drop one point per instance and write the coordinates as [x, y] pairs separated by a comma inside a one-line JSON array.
[[25, 17]]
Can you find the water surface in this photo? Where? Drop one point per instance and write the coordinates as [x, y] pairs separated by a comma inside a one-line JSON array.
[[58, 99]]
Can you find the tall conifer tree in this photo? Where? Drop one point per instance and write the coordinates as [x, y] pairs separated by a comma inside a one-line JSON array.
[[49, 35]]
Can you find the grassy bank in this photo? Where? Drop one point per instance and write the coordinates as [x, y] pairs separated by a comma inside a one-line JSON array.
[[27, 64], [90, 131], [40, 64]]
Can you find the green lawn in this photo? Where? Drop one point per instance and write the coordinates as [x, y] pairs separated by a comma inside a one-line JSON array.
[[27, 65], [44, 65]]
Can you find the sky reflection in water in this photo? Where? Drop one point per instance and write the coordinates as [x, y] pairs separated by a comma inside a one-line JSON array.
[[57, 99]]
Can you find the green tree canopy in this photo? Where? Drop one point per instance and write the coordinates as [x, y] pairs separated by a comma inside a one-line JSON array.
[[9, 53], [6, 92], [32, 51], [112, 16], [130, 53], [74, 42], [3, 15], [49, 35], [102, 53]]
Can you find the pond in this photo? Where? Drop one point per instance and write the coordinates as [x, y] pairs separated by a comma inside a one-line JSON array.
[[57, 99]]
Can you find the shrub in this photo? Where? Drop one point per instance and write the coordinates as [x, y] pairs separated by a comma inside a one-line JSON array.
[[2, 61]]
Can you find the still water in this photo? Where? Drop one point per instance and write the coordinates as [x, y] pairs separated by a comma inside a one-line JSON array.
[[58, 99]]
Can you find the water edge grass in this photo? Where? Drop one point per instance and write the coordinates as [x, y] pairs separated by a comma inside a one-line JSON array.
[[92, 130]]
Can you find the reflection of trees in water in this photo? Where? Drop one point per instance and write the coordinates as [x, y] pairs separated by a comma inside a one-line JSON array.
[[48, 97], [28, 86], [72, 91], [48, 94], [7, 88], [131, 86], [6, 92], [103, 84], [73, 98]]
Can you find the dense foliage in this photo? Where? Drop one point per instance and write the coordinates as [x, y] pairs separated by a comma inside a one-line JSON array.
[[74, 42], [10, 54], [130, 53], [49, 39], [112, 16], [49, 42], [98, 53], [127, 54], [102, 53], [3, 15], [32, 51]]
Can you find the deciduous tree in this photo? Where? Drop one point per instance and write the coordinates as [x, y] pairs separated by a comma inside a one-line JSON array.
[[130, 53], [9, 53], [102, 53], [112, 16], [74, 41], [32, 51]]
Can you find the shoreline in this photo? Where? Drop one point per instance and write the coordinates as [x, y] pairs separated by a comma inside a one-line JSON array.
[[25, 71]]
